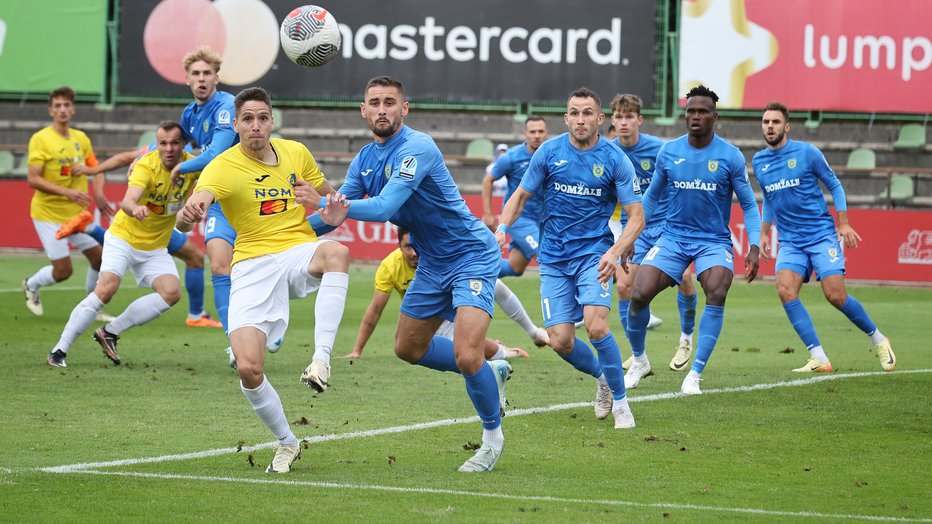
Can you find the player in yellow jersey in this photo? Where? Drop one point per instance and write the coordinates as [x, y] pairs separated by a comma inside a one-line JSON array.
[[61, 194], [137, 240], [395, 273], [276, 256]]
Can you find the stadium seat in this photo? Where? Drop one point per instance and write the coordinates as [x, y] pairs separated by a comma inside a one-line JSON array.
[[480, 148], [862, 158], [912, 136], [902, 187], [22, 167], [6, 163], [145, 138], [278, 119]]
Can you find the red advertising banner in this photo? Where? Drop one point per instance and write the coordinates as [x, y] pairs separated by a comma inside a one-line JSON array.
[[869, 55], [896, 246]]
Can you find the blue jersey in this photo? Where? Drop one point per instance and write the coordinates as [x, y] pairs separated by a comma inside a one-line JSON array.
[[700, 183], [644, 156], [444, 232], [793, 200], [210, 126], [512, 165], [580, 190]]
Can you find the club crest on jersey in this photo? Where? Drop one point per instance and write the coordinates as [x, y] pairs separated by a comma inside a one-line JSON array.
[[598, 170], [180, 182], [272, 207], [604, 286], [645, 165], [791, 163], [408, 168], [292, 179], [388, 171], [223, 118], [475, 286], [713, 166], [833, 252], [206, 126]]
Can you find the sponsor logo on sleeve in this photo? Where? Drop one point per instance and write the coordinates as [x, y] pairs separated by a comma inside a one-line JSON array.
[[408, 168]]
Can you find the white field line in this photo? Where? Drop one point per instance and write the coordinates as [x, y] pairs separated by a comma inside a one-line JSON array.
[[73, 468], [505, 496]]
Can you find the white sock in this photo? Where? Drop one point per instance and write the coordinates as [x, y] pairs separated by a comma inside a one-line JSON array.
[[602, 381], [140, 311], [512, 307], [693, 375], [328, 311], [43, 277], [82, 317], [818, 353], [268, 405], [688, 337], [494, 438], [877, 337], [501, 354], [641, 359], [620, 404], [197, 316], [90, 280]]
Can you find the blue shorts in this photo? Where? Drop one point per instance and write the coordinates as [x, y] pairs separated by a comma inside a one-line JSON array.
[[525, 237], [568, 286], [177, 241], [824, 256], [673, 257], [438, 294], [644, 242], [218, 226]]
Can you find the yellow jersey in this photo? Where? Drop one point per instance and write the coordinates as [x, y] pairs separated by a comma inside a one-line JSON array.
[[163, 199], [394, 273], [616, 216], [56, 154], [258, 198]]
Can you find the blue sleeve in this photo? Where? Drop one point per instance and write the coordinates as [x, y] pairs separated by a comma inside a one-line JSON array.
[[501, 167], [536, 171], [746, 198], [382, 207], [626, 182], [766, 212], [822, 170], [658, 185], [350, 188], [220, 142]]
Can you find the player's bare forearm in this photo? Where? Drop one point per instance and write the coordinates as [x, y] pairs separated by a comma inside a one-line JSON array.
[[369, 321], [194, 210], [488, 217]]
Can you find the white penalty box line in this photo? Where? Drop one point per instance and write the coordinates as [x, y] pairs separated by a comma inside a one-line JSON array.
[[90, 467], [316, 439]]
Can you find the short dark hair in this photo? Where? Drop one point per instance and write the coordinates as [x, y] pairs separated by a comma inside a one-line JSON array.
[[385, 81], [533, 118], [62, 92], [701, 90], [168, 125], [585, 92], [777, 106], [401, 233], [627, 102], [251, 94]]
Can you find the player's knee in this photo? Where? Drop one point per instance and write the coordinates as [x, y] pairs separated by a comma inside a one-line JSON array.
[[469, 362], [836, 298], [562, 345], [251, 374], [597, 332], [406, 353], [336, 257], [716, 296], [170, 296], [624, 290], [787, 293], [219, 267], [63, 273], [105, 293]]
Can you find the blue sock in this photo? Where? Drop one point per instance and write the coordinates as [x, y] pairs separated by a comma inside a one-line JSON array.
[[221, 297], [687, 307], [439, 356], [98, 233], [637, 330], [710, 327], [483, 391], [855, 313], [610, 359], [802, 323], [583, 359], [506, 270], [194, 284], [623, 306]]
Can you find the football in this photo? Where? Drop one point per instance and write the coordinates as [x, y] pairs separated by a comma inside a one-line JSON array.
[[310, 36]]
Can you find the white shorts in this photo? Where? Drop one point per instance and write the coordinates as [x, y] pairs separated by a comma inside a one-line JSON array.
[[261, 288], [615, 226], [58, 249], [445, 330], [146, 265]]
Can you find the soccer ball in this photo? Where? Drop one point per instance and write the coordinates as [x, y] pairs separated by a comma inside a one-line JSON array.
[[310, 36]]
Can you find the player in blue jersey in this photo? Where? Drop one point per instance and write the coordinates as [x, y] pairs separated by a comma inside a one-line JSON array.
[[208, 123], [789, 173], [525, 233], [403, 174], [581, 176], [180, 246], [642, 149], [699, 172]]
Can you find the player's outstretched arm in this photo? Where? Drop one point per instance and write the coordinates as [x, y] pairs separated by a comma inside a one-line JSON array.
[[194, 210], [511, 212], [369, 321], [130, 204], [114, 162], [623, 248], [36, 181]]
